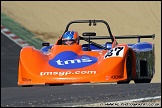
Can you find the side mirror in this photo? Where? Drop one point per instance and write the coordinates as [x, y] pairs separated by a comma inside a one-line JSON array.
[[89, 34]]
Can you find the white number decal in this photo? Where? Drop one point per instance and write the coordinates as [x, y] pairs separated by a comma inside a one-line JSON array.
[[115, 52]]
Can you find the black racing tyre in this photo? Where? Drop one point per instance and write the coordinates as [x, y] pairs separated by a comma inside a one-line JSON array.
[[129, 69], [56, 84], [142, 80], [26, 85]]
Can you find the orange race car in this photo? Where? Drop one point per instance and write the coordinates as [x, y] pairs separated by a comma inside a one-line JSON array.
[[91, 62]]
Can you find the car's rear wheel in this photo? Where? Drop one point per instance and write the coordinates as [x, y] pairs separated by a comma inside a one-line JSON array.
[[129, 69], [142, 80]]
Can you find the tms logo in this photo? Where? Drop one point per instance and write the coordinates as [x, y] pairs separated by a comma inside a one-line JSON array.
[[59, 62], [70, 60]]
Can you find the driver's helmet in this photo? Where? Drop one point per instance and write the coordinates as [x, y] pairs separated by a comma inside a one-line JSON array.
[[70, 38]]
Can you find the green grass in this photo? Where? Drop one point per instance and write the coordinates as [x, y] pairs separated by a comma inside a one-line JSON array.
[[20, 31]]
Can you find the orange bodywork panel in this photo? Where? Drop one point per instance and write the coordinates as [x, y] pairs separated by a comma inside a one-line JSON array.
[[70, 64]]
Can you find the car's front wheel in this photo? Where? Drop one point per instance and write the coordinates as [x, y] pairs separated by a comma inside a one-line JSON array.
[[142, 80], [26, 85], [129, 69], [56, 84]]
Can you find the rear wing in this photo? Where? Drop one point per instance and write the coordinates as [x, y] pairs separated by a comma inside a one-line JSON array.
[[119, 37]]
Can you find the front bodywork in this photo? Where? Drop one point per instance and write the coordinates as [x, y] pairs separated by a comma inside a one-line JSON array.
[[66, 64]]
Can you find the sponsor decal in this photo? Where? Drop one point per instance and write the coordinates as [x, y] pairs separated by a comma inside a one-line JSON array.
[[70, 60], [115, 52], [26, 79], [116, 76], [64, 73]]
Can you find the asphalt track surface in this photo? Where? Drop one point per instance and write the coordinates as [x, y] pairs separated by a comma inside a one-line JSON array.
[[9, 62], [58, 96]]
